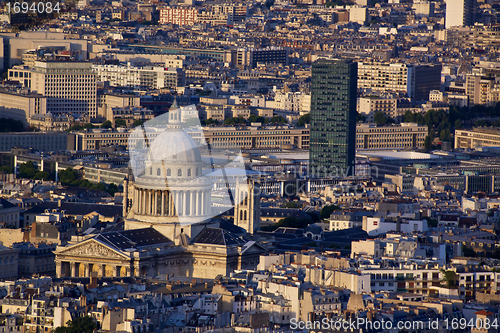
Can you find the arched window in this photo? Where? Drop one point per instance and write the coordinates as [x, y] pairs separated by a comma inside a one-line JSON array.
[[158, 172], [169, 172], [11, 260], [189, 172], [245, 216], [246, 200], [150, 171], [179, 173], [241, 215]]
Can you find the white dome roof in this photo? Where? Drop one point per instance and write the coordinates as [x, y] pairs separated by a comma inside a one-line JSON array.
[[174, 145]]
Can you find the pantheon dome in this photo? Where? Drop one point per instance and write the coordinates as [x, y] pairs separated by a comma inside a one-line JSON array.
[[172, 189]]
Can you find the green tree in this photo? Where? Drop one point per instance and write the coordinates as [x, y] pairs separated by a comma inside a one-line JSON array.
[[408, 117], [78, 325], [444, 135], [28, 170], [42, 175], [326, 211], [137, 123], [458, 124], [88, 126], [5, 169], [380, 118], [291, 204], [256, 119], [209, 121], [112, 189], [119, 122], [278, 120], [450, 278], [360, 118], [68, 177], [107, 124], [305, 119], [75, 127], [290, 222], [428, 143]]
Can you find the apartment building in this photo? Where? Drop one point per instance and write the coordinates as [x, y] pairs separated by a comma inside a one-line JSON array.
[[41, 141], [21, 105], [292, 101], [417, 80], [69, 86], [470, 283], [98, 138], [129, 114], [408, 280], [179, 15], [482, 90], [477, 137], [404, 135], [250, 58], [368, 106], [347, 220], [109, 101], [147, 77], [253, 137]]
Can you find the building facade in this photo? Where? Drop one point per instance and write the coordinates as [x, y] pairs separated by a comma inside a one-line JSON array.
[[416, 80], [169, 228], [181, 15], [333, 117], [148, 77], [459, 13], [21, 105], [404, 135], [477, 137], [70, 87]]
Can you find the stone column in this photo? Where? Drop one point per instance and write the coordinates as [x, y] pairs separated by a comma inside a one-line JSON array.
[[58, 269], [156, 203], [87, 270], [162, 203], [128, 272], [135, 199], [171, 203], [101, 270], [72, 271], [184, 206], [191, 203], [197, 202], [141, 201], [202, 202], [176, 203]]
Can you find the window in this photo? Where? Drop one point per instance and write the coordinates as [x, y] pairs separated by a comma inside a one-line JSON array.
[[169, 172], [158, 172], [179, 173], [189, 173]]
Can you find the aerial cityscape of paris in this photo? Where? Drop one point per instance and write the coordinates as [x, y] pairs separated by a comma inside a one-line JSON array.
[[226, 166]]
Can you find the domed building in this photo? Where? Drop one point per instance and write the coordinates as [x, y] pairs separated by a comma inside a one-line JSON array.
[[170, 192], [169, 229]]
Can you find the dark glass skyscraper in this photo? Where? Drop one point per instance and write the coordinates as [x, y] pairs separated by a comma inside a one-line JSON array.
[[333, 118]]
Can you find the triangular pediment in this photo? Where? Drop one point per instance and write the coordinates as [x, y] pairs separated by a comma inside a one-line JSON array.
[[94, 249]]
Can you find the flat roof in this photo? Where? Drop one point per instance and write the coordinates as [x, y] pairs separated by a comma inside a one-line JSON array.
[[397, 155]]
